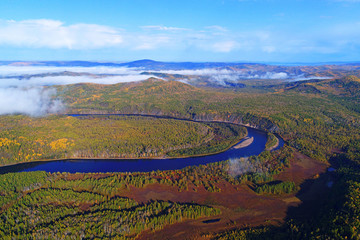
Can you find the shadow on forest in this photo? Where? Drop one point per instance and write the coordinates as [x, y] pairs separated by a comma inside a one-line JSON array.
[[313, 195], [320, 197], [322, 194], [19, 167]]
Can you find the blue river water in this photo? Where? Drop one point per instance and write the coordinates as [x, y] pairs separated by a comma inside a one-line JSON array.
[[142, 165]]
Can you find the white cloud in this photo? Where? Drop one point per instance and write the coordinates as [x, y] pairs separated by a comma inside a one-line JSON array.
[[256, 43], [200, 72], [163, 28], [55, 34], [226, 46], [275, 75], [149, 42], [34, 101], [65, 80], [302, 78], [30, 96], [269, 49], [122, 75], [30, 70], [217, 28], [219, 75]]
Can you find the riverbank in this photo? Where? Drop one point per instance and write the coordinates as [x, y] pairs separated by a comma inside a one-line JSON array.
[[244, 143], [24, 166], [274, 146], [74, 159], [102, 137], [253, 144], [141, 165]]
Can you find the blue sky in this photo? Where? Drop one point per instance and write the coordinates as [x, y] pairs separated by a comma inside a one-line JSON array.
[[169, 30]]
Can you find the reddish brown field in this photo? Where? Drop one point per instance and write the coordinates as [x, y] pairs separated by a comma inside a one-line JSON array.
[[241, 207], [302, 168]]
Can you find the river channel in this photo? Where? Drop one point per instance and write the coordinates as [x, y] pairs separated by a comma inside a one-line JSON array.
[[144, 165]]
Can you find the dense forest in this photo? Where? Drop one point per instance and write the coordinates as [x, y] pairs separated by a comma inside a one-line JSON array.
[[314, 123], [335, 214], [62, 205], [283, 194], [43, 207], [110, 137]]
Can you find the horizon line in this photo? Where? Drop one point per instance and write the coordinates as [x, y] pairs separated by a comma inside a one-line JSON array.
[[159, 61]]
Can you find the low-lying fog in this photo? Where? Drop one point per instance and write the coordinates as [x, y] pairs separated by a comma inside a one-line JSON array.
[[22, 87]]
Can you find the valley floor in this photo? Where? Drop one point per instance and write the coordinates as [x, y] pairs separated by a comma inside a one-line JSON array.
[[240, 206]]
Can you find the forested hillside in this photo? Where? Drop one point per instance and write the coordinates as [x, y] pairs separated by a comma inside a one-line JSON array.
[[110, 137], [314, 123]]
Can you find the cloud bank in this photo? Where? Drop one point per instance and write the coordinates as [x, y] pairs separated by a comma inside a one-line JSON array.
[[35, 101], [221, 76], [65, 80], [21, 70], [229, 73], [27, 89], [47, 33], [23, 91], [20, 76]]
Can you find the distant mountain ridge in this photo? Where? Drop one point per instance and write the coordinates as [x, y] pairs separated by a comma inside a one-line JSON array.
[[60, 63], [57, 74], [155, 65], [254, 70], [152, 64], [145, 63]]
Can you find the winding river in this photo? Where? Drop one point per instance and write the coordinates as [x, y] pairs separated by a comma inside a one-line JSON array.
[[144, 165]]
